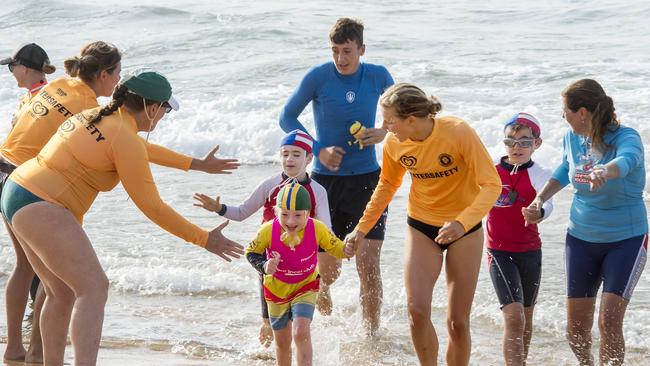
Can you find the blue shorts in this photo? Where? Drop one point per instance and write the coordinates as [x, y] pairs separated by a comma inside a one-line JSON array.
[[617, 265], [14, 197], [515, 276]]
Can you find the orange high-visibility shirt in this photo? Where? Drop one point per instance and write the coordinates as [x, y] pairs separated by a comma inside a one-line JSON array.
[[453, 177], [83, 159]]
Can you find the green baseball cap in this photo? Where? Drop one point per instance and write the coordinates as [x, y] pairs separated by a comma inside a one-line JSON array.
[[150, 85]]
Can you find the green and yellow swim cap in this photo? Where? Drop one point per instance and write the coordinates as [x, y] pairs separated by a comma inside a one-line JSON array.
[[293, 197]]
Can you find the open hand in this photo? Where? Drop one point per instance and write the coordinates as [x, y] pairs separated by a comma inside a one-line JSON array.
[[271, 265], [207, 202], [450, 232], [222, 246], [212, 165]]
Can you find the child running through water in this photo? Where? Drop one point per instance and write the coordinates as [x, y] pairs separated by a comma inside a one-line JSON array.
[[291, 279], [296, 154], [513, 244]]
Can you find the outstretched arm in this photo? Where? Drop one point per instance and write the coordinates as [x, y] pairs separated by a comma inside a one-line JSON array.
[[210, 164]]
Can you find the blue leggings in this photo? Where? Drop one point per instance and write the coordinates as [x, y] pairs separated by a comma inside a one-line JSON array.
[[617, 266]]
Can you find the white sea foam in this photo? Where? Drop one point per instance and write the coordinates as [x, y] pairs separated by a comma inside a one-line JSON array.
[[234, 65]]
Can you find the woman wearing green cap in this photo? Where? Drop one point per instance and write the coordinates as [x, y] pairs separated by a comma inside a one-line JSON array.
[[45, 199]]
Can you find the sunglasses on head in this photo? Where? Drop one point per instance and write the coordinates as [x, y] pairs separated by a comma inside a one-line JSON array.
[[524, 143]]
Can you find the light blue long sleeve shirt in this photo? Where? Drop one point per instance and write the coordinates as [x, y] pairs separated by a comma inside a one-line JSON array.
[[616, 211]]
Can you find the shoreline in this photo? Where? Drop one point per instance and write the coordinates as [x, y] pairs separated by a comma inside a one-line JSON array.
[[130, 355]]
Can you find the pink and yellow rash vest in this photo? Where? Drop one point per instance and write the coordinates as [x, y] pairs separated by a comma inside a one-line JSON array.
[[282, 288]]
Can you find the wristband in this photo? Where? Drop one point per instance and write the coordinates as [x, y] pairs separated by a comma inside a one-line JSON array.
[[223, 210]]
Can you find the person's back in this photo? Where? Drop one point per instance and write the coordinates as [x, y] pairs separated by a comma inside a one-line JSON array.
[[38, 120], [55, 103]]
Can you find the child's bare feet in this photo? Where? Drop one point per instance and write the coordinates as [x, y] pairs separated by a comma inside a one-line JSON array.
[[324, 301], [266, 333]]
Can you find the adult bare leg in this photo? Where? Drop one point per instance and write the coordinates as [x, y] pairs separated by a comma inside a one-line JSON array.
[[462, 265], [423, 262], [370, 290], [55, 312], [35, 351], [329, 269], [54, 235], [16, 296], [580, 319], [610, 323]]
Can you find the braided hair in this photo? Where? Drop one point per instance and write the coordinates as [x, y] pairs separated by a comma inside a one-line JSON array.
[[119, 97]]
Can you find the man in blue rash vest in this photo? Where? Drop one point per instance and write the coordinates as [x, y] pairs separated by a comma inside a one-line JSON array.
[[342, 92]]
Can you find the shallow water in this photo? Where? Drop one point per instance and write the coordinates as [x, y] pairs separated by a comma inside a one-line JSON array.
[[233, 66]]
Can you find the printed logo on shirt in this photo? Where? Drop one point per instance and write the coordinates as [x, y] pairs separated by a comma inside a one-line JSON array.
[[583, 169], [67, 126], [39, 109], [434, 175], [408, 161], [506, 197], [54, 104], [349, 96], [445, 159], [94, 131]]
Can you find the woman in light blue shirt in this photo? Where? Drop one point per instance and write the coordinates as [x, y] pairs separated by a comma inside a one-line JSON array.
[[606, 242]]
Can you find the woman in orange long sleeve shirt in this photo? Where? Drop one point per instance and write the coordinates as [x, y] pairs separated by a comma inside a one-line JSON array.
[[454, 185], [44, 201]]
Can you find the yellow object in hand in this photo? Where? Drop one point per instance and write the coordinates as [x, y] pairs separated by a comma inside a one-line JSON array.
[[355, 130]]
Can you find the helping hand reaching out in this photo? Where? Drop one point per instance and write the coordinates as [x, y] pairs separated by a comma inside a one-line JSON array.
[[222, 246], [533, 213], [350, 249], [207, 203], [213, 165], [352, 241]]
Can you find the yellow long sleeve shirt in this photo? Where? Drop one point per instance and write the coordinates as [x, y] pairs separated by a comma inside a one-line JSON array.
[[40, 116], [83, 159], [453, 177]]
